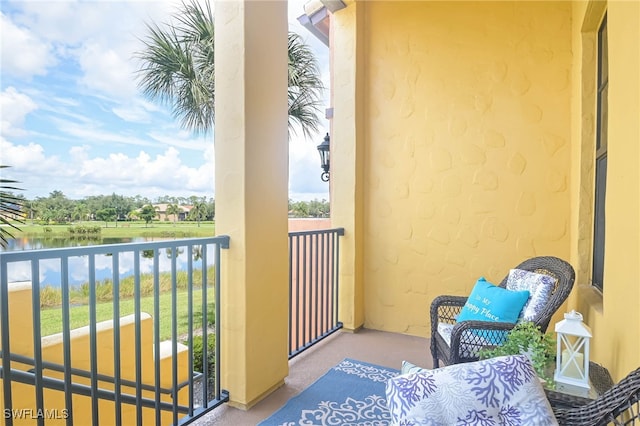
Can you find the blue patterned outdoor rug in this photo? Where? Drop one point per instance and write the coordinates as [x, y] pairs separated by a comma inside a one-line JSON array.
[[351, 393]]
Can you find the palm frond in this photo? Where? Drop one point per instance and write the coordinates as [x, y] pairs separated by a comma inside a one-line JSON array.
[[178, 70], [174, 73], [305, 86], [10, 209]]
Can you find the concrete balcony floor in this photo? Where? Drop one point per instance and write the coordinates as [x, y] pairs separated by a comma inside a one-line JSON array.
[[375, 347]]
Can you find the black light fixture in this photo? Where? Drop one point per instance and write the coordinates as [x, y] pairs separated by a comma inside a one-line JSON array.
[[323, 149]]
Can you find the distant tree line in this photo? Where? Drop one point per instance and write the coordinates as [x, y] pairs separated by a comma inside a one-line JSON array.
[[57, 208], [312, 208]]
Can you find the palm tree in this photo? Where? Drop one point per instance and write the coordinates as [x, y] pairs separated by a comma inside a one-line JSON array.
[[80, 212], [178, 70], [198, 211], [173, 210], [10, 209]]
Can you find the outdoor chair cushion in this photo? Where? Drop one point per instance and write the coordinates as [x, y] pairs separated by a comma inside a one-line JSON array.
[[496, 391], [540, 287]]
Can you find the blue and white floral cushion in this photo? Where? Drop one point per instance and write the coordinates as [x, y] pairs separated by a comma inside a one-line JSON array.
[[540, 287], [497, 391]]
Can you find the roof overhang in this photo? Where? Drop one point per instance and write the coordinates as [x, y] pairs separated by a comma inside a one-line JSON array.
[[316, 17]]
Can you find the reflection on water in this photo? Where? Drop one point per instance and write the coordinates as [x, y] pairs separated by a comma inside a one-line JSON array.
[[37, 243], [50, 269]]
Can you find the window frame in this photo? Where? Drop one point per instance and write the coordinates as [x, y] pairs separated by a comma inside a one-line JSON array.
[[600, 178]]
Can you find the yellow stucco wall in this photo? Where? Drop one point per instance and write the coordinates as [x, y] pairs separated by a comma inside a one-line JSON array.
[[612, 315], [465, 145]]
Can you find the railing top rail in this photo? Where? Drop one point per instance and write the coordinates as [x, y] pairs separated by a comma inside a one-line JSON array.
[[339, 231], [53, 253]]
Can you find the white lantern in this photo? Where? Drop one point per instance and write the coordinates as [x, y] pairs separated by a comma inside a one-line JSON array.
[[572, 357]]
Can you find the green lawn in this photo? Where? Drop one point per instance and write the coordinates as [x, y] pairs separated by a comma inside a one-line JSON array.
[[51, 318]]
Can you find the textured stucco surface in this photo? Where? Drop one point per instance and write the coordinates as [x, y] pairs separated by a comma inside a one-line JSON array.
[[467, 148]]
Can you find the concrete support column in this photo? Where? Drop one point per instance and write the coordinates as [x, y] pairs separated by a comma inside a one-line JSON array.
[[347, 157], [252, 194]]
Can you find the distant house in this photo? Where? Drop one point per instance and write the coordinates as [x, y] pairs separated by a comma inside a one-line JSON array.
[[161, 209]]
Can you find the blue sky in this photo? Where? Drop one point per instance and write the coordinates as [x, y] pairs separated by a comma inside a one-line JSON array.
[[73, 119]]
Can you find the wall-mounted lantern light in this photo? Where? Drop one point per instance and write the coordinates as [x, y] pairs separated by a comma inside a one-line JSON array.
[[323, 149]]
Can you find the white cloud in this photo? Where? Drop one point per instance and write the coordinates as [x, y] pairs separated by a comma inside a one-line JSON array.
[[30, 160], [70, 22], [78, 175], [23, 54], [62, 22], [132, 114], [15, 106], [166, 172], [136, 111], [106, 71], [181, 139], [93, 132], [101, 36], [79, 154]]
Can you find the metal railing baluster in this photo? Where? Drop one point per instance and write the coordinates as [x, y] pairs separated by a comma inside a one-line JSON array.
[[117, 385], [190, 323], [291, 294], [37, 340], [216, 294], [315, 282], [174, 329], [138, 334], [205, 333], [93, 340], [305, 336], [66, 337], [156, 331], [6, 348]]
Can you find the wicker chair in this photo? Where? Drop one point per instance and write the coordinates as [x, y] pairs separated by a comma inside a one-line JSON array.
[[620, 405], [468, 337]]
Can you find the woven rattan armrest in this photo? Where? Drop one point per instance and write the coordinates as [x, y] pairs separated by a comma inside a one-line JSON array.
[[619, 405], [478, 333], [446, 309]]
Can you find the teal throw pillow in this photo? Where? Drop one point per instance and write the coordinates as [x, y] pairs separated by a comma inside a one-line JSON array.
[[488, 302]]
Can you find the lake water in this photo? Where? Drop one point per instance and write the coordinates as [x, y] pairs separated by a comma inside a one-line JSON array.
[[36, 243], [50, 269]]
